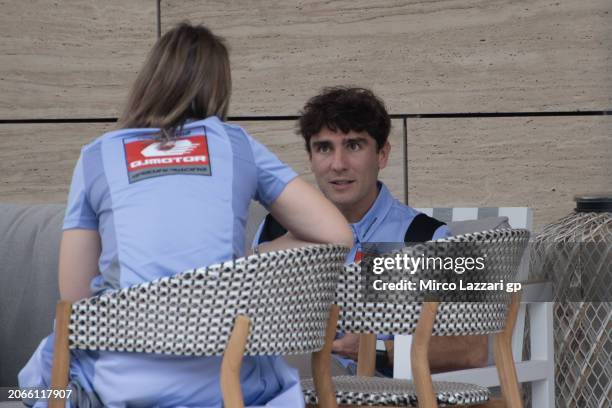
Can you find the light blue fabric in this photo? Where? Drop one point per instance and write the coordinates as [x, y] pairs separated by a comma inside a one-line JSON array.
[[387, 220], [162, 215]]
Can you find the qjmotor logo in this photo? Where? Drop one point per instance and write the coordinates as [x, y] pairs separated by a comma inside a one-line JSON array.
[[177, 148], [148, 158]]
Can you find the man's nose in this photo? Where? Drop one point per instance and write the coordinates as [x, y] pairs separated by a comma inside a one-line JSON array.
[[339, 161]]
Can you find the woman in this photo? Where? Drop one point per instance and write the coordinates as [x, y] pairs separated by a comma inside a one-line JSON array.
[[168, 192]]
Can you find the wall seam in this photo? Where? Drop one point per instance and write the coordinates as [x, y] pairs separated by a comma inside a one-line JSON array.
[[405, 161], [295, 117], [158, 17]]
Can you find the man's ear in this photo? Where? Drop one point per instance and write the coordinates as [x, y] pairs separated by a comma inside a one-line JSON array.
[[383, 155]]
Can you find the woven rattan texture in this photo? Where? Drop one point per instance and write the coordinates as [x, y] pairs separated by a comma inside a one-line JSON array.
[[385, 391], [286, 294], [504, 249], [575, 253]]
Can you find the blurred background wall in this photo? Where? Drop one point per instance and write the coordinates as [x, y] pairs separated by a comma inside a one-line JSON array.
[[495, 102]]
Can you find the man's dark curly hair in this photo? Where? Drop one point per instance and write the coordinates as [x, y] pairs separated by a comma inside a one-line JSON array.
[[344, 109]]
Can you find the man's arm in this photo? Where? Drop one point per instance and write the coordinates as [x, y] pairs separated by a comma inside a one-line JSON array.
[[449, 353], [347, 346], [457, 352]]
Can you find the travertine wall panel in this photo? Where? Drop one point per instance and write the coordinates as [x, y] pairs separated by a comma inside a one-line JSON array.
[[36, 161], [71, 59], [281, 139], [420, 56], [539, 162]]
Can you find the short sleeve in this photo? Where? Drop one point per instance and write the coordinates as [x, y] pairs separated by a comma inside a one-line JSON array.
[[384, 337], [257, 236], [441, 232], [272, 174], [79, 213]]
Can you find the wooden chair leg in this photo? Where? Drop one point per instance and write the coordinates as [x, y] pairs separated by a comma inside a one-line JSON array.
[[366, 357], [504, 360], [421, 372], [232, 361], [321, 364], [61, 353], [492, 403]]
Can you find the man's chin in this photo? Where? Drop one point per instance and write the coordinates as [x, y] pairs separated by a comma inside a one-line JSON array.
[[343, 203], [339, 198]]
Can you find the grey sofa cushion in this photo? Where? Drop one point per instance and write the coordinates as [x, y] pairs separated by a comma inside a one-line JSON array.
[[29, 247], [11, 404]]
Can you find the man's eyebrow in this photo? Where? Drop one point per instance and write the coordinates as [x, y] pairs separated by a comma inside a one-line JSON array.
[[359, 139], [321, 142]]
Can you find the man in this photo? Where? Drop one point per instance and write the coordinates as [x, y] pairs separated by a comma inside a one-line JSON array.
[[346, 132]]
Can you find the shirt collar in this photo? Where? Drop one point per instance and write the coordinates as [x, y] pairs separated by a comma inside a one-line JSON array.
[[365, 227]]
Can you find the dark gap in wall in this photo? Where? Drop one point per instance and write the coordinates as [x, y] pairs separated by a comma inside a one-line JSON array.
[[505, 114], [405, 161], [393, 116], [158, 17], [65, 120]]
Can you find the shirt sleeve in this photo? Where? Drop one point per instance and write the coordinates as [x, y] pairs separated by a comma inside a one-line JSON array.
[[272, 174], [255, 242], [79, 213], [441, 232], [384, 337]]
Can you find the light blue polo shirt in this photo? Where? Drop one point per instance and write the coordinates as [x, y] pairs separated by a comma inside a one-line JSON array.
[[387, 220], [160, 210]]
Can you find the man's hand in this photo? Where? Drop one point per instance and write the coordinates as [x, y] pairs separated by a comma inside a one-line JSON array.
[[347, 346]]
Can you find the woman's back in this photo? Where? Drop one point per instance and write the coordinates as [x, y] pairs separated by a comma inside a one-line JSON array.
[[161, 210], [165, 209], [160, 197]]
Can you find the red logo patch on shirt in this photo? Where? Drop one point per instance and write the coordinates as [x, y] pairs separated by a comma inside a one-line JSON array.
[[184, 155], [360, 255]]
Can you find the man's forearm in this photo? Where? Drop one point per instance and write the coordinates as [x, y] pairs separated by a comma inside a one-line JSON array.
[[457, 352], [453, 352], [347, 346]]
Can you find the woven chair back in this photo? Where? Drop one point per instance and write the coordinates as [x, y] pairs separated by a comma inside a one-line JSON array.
[[287, 295], [399, 312]]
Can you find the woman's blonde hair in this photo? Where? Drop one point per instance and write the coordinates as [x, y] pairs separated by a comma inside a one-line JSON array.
[[186, 75]]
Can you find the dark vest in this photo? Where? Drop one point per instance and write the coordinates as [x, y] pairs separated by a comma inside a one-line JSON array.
[[421, 229]]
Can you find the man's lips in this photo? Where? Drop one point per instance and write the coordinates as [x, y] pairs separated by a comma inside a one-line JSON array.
[[341, 184]]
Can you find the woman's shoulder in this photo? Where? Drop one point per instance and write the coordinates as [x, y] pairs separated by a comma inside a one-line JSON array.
[[212, 122], [121, 134], [216, 124]]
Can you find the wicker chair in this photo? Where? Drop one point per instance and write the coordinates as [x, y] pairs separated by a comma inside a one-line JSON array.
[[494, 312], [253, 305]]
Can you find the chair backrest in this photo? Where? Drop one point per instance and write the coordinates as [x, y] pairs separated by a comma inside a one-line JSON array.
[[399, 315], [517, 217], [287, 295]]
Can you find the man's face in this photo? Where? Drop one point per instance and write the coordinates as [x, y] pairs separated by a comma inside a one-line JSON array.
[[346, 167]]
